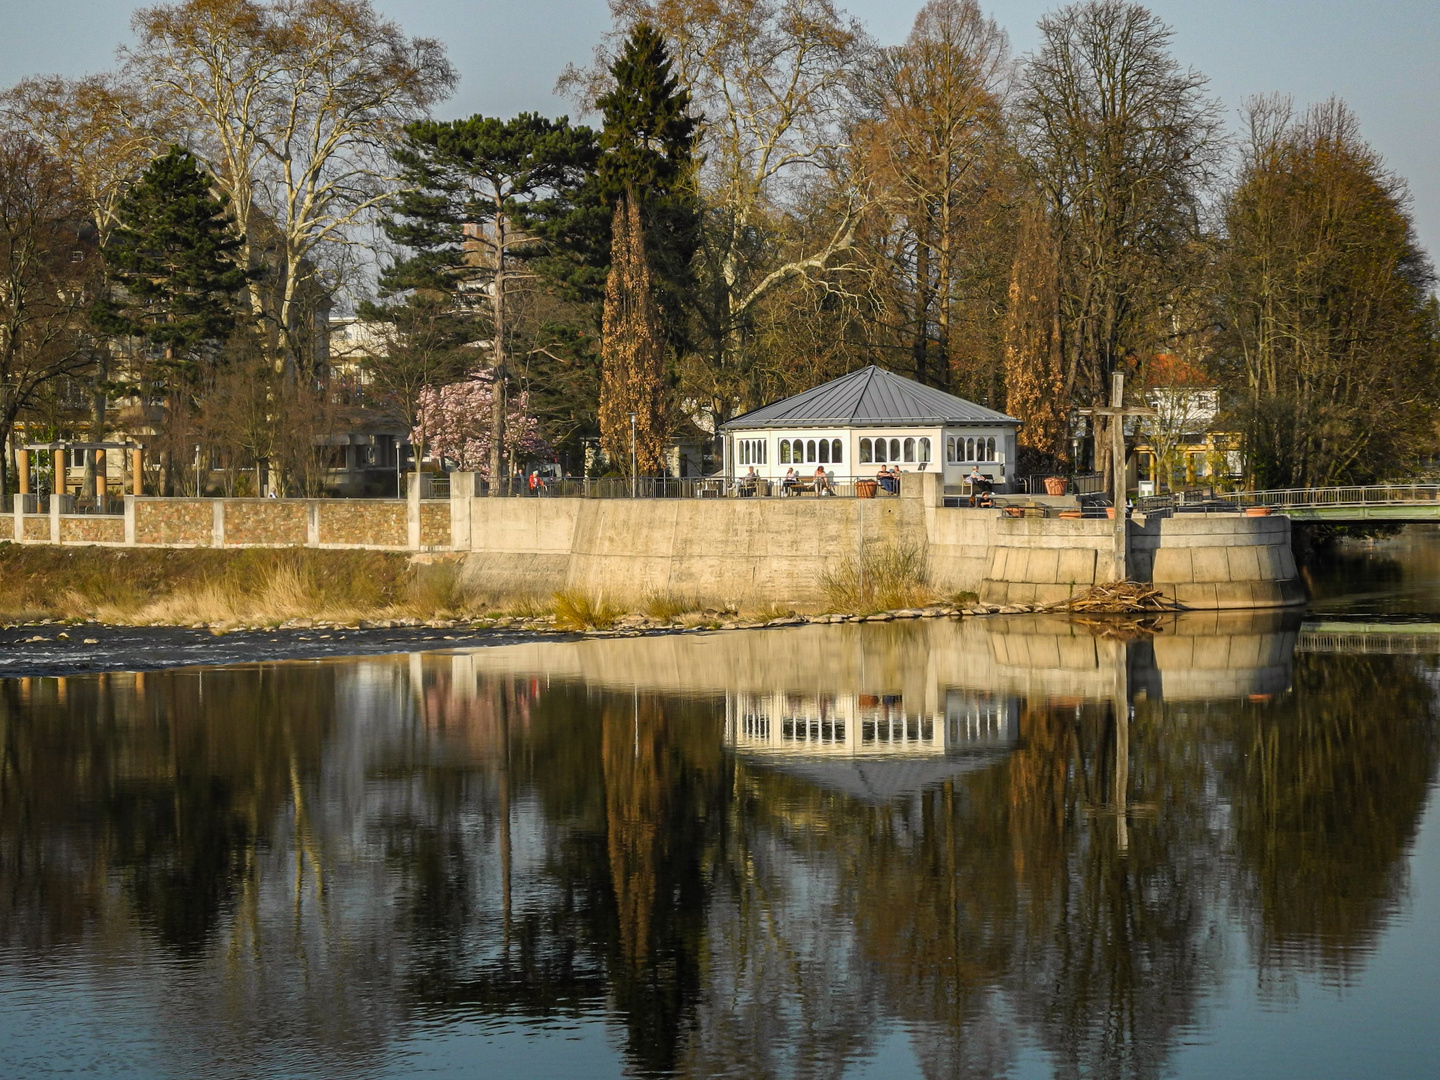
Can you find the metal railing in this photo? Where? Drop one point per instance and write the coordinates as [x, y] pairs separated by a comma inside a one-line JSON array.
[[1210, 501], [89, 504], [432, 485], [28, 504], [711, 487], [1078, 484]]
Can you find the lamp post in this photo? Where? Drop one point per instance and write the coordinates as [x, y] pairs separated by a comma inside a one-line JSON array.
[[634, 459]]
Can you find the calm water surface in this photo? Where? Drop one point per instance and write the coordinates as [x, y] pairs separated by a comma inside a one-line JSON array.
[[1019, 847]]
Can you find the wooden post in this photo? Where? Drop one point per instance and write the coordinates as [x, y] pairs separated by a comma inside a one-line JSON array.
[[135, 475], [100, 485], [22, 464], [1117, 462]]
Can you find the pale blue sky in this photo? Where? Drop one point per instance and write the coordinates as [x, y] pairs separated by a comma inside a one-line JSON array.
[[1383, 58]]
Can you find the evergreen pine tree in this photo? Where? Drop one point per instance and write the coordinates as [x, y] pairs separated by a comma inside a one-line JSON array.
[[647, 153], [173, 256], [634, 352]]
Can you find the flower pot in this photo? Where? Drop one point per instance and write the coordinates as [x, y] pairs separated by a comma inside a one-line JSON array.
[[1257, 511], [1110, 512], [865, 489], [1055, 485], [1069, 514]]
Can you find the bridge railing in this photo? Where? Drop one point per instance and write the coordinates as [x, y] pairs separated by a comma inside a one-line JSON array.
[[1295, 498], [1357, 495]]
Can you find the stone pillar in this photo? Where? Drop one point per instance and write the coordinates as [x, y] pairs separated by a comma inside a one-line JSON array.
[[412, 514], [100, 485], [464, 486], [55, 517], [217, 522], [312, 523], [137, 485], [130, 519]]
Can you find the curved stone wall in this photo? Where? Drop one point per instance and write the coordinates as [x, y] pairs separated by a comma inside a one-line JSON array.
[[1218, 560]]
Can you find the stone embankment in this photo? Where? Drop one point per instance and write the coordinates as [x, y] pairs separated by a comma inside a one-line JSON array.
[[747, 553]]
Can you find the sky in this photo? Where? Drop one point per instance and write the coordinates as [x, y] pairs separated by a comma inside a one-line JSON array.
[[1382, 58]]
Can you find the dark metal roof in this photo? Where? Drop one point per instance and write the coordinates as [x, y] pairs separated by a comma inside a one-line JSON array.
[[870, 397]]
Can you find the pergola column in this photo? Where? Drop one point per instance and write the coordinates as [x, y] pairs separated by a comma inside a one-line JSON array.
[[136, 483], [22, 464], [100, 485]]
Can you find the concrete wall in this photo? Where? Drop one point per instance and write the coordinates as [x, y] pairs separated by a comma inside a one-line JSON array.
[[717, 552], [1218, 560]]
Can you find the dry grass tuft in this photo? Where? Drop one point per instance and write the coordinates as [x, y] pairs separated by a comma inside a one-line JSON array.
[[575, 610], [885, 577], [669, 606]]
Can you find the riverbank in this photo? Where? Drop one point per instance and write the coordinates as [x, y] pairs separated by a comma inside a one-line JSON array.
[[52, 647]]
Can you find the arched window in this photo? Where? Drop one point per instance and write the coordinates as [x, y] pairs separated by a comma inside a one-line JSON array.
[[989, 449], [970, 450], [950, 450], [824, 451], [810, 451], [894, 449], [880, 450], [909, 449], [925, 450], [865, 457], [835, 455], [744, 452], [784, 451]]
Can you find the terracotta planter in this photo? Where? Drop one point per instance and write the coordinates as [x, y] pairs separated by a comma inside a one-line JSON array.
[[1110, 512], [866, 489], [1071, 514], [1257, 511], [1055, 485]]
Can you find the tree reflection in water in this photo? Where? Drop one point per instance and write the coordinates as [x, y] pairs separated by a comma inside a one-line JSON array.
[[339, 851]]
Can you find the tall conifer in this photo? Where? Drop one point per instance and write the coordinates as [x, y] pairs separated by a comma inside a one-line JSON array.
[[172, 254], [634, 352]]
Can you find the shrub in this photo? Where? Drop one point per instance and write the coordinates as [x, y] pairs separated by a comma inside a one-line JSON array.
[[882, 578]]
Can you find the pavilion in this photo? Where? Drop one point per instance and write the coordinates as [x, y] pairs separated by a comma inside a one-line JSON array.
[[870, 418]]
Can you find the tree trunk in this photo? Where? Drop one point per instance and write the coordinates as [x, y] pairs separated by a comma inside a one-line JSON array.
[[498, 464]]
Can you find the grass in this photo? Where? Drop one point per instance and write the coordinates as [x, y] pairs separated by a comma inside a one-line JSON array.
[[885, 577], [669, 606], [575, 610], [224, 588]]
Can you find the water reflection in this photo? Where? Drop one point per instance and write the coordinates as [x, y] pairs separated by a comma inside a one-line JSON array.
[[745, 854]]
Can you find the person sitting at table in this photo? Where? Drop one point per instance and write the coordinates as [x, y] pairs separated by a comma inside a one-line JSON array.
[[790, 483], [889, 478], [980, 488], [822, 482]]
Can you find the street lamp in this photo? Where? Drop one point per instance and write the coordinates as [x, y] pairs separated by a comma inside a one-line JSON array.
[[634, 466]]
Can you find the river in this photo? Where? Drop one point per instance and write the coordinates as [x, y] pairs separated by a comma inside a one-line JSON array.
[[1198, 846]]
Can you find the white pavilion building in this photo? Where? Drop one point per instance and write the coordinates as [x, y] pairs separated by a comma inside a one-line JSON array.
[[871, 417]]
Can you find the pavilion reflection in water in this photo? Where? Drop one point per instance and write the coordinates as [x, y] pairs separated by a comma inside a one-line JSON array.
[[872, 745]]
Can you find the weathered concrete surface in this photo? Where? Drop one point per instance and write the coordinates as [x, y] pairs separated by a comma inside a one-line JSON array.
[[1045, 560], [1218, 560]]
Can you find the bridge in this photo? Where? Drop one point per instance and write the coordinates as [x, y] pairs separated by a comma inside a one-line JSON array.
[[1389, 503], [1385, 638]]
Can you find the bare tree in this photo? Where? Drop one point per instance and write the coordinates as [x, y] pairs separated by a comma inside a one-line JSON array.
[[104, 130], [1121, 142], [936, 148], [48, 267], [297, 102]]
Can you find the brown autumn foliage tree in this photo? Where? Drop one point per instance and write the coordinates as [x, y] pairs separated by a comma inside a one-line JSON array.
[[633, 351], [1034, 367], [1333, 332]]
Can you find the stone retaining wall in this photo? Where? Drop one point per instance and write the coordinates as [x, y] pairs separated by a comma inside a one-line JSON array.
[[1218, 560], [716, 552]]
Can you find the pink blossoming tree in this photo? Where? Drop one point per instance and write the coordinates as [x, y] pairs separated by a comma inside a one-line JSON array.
[[454, 423]]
